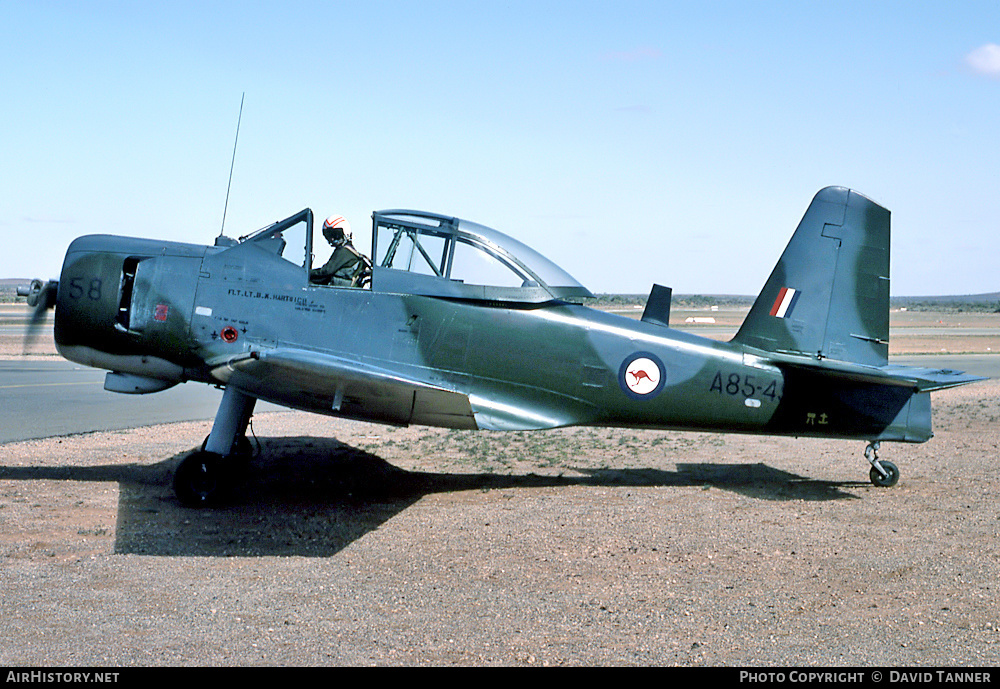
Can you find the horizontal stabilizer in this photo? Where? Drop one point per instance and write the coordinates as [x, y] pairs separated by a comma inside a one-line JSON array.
[[931, 379], [919, 378]]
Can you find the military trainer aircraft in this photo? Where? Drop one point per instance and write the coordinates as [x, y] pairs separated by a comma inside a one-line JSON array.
[[463, 327]]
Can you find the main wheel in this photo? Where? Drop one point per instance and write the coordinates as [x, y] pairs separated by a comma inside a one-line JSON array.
[[243, 451], [198, 481], [242, 448], [887, 481]]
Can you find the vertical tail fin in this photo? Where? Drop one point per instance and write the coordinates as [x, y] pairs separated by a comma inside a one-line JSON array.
[[828, 297]]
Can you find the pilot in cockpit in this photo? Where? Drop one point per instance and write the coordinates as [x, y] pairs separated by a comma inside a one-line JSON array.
[[347, 266]]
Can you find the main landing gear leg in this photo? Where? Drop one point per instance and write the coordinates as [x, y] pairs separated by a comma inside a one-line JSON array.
[[201, 477], [883, 473]]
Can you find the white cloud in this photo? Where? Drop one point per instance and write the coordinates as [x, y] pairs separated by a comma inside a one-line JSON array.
[[985, 60]]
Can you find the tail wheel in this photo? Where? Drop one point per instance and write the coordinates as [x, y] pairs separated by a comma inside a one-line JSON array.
[[890, 478], [883, 474]]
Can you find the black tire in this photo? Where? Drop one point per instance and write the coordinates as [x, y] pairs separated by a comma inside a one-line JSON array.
[[888, 481], [198, 481], [242, 449]]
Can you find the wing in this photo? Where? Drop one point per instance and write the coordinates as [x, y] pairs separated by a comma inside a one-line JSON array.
[[334, 385]]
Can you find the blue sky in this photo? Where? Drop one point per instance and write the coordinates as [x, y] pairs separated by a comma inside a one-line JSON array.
[[631, 142]]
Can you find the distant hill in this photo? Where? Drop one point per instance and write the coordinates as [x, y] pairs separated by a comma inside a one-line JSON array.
[[679, 300], [960, 302], [971, 298], [963, 302]]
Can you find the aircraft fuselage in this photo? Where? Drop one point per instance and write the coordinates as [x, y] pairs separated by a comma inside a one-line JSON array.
[[178, 312]]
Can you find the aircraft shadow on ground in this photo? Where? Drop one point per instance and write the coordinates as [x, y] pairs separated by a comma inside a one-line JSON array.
[[314, 496]]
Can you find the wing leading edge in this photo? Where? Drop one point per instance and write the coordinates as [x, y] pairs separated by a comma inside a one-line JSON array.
[[336, 386]]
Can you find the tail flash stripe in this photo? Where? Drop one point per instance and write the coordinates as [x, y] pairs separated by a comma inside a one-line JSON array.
[[785, 302]]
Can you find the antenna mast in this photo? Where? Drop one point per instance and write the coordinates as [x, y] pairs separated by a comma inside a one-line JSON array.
[[232, 165]]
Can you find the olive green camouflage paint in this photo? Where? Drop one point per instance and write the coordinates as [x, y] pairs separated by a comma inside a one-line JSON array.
[[810, 359]]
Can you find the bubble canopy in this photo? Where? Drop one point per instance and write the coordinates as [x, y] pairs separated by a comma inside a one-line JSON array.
[[435, 255]]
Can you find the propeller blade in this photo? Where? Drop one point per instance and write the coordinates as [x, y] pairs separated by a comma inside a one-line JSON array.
[[41, 296]]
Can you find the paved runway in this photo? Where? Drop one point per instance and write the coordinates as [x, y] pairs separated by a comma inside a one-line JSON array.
[[39, 399]]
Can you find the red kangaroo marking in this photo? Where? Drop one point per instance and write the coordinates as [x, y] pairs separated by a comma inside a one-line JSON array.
[[639, 375]]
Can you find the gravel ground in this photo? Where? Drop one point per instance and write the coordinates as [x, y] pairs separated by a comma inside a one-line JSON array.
[[575, 547]]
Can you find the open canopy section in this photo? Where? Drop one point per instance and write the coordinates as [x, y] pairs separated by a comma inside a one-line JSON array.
[[436, 255]]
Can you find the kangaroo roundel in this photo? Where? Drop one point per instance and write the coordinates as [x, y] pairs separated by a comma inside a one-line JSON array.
[[641, 376]]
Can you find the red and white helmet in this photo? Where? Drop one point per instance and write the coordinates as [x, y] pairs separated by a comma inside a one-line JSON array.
[[337, 227]]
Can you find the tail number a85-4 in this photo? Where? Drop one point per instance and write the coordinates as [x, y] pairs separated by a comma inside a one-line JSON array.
[[735, 384]]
